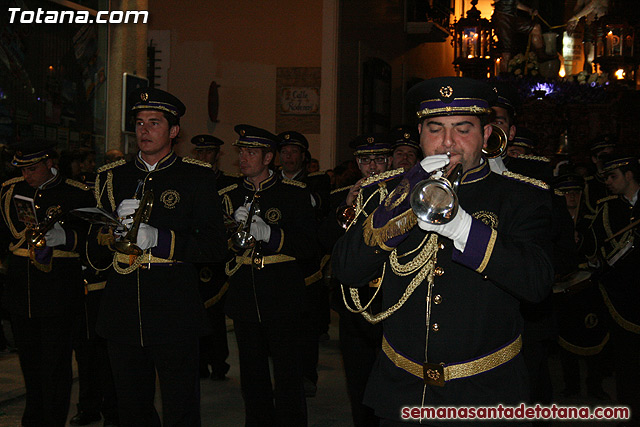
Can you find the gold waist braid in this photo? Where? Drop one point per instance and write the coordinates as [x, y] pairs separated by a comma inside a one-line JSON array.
[[56, 253], [459, 370], [269, 259]]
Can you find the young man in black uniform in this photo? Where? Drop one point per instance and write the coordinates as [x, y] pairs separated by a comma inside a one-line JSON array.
[[214, 347], [151, 312], [454, 338], [266, 282], [611, 246], [43, 290]]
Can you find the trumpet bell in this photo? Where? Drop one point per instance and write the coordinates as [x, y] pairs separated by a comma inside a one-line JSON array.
[[497, 143], [434, 200], [243, 240]]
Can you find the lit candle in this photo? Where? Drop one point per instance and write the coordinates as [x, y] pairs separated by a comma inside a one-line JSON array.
[[609, 50]]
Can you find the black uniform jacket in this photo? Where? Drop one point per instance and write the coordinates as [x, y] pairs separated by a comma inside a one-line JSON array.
[[31, 291], [159, 302], [277, 289], [620, 281], [476, 293]]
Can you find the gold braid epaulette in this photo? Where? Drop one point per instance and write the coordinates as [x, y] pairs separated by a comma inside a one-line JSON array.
[[606, 199], [382, 177], [13, 180], [78, 184], [111, 165], [522, 178], [193, 161], [536, 158], [227, 189], [394, 227], [337, 190], [294, 182]]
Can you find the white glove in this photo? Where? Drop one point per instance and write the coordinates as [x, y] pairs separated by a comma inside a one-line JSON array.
[[435, 162], [126, 209], [260, 229], [56, 236], [497, 165], [147, 237], [241, 214], [457, 229]]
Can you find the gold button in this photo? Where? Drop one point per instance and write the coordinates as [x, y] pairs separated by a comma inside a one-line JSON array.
[[377, 251], [441, 245], [435, 327], [37, 207], [437, 299], [485, 278], [439, 271], [150, 178]]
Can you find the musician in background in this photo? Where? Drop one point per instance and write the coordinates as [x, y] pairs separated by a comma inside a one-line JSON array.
[[293, 148], [43, 291], [207, 149], [601, 148], [359, 340], [405, 143], [151, 313], [213, 285], [266, 281], [582, 322], [610, 245]]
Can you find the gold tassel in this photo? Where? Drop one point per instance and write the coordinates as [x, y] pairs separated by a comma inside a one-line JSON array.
[[397, 226]]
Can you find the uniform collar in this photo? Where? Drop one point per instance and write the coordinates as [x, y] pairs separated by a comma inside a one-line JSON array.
[[164, 163], [55, 180], [476, 174], [298, 176], [270, 181]]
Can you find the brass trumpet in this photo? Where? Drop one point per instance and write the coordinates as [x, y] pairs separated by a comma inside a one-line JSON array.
[[346, 214], [127, 245], [242, 238], [434, 200], [497, 143], [35, 236]]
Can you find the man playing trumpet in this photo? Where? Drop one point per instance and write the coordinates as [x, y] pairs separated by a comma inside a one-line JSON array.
[[450, 293], [266, 282]]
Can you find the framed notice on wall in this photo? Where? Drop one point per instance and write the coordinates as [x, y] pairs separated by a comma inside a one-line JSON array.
[[298, 99], [130, 82]]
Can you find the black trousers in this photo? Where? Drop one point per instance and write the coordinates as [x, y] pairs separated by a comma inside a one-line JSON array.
[[44, 350], [96, 391], [134, 374], [360, 343], [626, 361], [214, 348], [280, 339]]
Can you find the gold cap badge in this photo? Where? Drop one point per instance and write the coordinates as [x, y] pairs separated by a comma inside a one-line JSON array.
[[446, 91], [144, 96]]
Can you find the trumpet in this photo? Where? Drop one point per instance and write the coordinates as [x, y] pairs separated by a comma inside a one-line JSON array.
[[346, 214], [497, 143], [242, 238], [127, 245], [435, 200], [35, 235]]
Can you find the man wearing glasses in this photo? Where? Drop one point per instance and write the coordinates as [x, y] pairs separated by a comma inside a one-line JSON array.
[[359, 340]]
